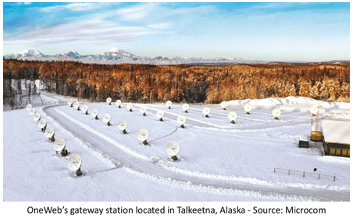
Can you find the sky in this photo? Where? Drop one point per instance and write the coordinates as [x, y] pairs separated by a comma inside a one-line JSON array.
[[292, 31]]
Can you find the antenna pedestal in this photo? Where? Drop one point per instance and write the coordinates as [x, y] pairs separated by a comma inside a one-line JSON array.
[[182, 126], [247, 113], [119, 106], [130, 110], [43, 129], [276, 118], [169, 107], [124, 131], [52, 139], [161, 120], [174, 158], [145, 142], [232, 122], [96, 117], [186, 111], [86, 113], [144, 114], [78, 172], [64, 152]]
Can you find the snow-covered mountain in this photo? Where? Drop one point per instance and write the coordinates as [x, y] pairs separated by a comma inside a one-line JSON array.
[[116, 56]]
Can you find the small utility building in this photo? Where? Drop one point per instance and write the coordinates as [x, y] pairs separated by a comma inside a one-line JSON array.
[[336, 137]]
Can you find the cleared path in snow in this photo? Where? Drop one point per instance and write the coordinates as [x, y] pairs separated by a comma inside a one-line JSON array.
[[143, 166]]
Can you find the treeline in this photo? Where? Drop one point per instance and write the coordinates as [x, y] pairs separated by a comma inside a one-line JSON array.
[[209, 84]]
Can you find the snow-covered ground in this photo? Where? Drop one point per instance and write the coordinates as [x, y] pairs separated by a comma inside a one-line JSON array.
[[218, 161]]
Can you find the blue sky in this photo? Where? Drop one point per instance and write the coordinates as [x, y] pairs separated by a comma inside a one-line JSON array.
[[290, 31]]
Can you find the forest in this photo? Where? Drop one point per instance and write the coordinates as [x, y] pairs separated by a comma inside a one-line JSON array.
[[187, 83]]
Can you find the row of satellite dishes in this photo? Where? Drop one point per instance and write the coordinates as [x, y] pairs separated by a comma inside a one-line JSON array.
[[172, 147], [74, 161]]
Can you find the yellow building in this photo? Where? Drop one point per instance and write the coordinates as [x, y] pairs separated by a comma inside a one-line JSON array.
[[336, 137]]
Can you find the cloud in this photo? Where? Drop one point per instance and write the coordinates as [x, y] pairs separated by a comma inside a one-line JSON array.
[[160, 26], [138, 12], [74, 7], [82, 32]]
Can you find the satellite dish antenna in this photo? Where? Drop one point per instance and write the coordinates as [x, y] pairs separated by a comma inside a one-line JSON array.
[[106, 118], [181, 120], [118, 103], [314, 110], [160, 115], [77, 105], [172, 149], [109, 100], [168, 104], [130, 107], [223, 105], [122, 125], [206, 112], [94, 113], [28, 107], [59, 146], [247, 109], [32, 111], [42, 124], [49, 133], [85, 109], [74, 164], [276, 113], [70, 102], [185, 108], [232, 116], [143, 110], [143, 134], [36, 116]]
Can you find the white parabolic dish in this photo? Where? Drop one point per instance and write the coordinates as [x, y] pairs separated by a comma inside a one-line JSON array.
[[314, 110], [122, 125], [143, 134], [168, 103], [185, 107], [59, 144], [143, 109], [94, 112], [49, 132], [223, 104], [74, 162], [36, 116], [32, 111], [232, 116], [28, 107], [106, 118], [118, 102], [84, 108], [181, 119], [76, 104], [247, 108], [172, 148], [129, 105], [70, 102], [108, 100], [206, 111], [41, 123], [276, 112], [160, 114]]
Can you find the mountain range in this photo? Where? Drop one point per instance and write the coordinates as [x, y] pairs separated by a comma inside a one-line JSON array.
[[118, 56]]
